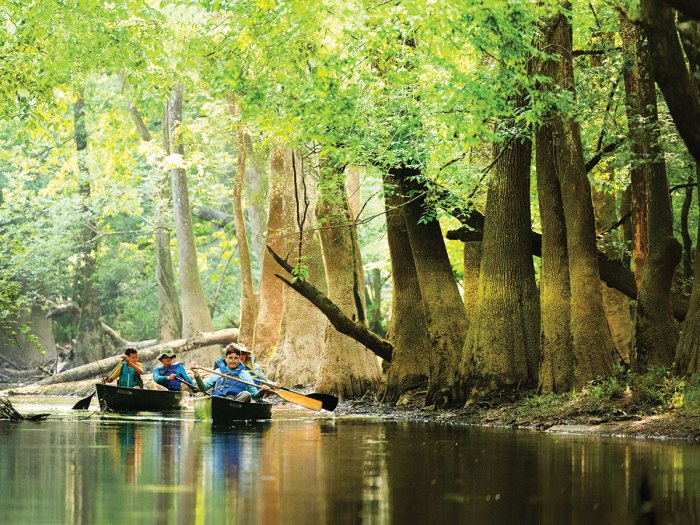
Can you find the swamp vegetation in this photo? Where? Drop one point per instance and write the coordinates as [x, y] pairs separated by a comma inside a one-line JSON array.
[[468, 204]]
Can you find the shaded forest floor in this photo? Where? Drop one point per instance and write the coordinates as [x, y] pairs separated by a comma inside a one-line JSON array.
[[653, 406]]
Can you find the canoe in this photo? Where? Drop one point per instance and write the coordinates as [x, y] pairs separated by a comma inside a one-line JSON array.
[[224, 410], [122, 399]]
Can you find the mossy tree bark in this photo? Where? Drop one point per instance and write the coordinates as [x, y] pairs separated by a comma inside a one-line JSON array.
[[195, 312], [592, 348], [557, 362], [655, 329], [347, 369], [444, 310], [409, 368], [502, 346]]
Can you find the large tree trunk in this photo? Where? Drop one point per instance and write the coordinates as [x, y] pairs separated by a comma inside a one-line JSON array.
[[249, 299], [502, 345], [444, 310], [635, 96], [655, 330], [688, 348], [556, 356], [270, 291], [593, 351], [671, 72], [169, 312], [347, 369], [104, 366], [90, 341], [195, 312], [409, 366], [298, 352]]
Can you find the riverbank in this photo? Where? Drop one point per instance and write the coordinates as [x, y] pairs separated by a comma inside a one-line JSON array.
[[656, 405], [585, 413]]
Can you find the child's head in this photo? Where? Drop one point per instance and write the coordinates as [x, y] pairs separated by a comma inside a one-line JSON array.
[[131, 353]]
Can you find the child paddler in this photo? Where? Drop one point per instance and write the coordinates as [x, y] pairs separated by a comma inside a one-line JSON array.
[[250, 363], [129, 373], [171, 375], [231, 365]]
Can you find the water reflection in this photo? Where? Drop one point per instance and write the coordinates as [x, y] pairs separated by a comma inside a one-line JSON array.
[[301, 470]]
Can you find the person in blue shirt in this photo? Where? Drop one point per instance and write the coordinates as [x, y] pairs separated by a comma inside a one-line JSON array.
[[251, 365], [231, 365], [129, 373], [171, 375]]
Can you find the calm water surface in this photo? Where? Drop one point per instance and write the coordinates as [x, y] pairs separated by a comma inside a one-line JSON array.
[[309, 469]]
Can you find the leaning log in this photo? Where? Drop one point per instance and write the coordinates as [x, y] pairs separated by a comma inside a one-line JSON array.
[[103, 366], [353, 329]]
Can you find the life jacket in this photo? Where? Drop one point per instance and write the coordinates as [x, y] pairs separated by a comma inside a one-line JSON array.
[[251, 371], [128, 377], [173, 384], [225, 386]]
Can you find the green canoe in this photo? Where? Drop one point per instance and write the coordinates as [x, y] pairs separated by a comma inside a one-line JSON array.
[[224, 410]]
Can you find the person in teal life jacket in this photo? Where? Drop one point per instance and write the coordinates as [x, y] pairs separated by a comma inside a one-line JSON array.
[[231, 365], [171, 375], [129, 374]]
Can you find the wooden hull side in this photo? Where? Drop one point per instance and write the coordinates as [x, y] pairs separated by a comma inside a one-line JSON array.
[[222, 410], [121, 399]]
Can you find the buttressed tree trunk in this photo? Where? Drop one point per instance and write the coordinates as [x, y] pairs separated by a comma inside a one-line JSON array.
[[556, 356], [502, 346], [270, 290], [593, 351], [444, 310], [90, 341], [169, 312], [195, 312], [347, 369], [655, 329], [298, 352], [409, 368], [249, 299]]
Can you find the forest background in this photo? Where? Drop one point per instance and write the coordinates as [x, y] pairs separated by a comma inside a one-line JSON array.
[[151, 150]]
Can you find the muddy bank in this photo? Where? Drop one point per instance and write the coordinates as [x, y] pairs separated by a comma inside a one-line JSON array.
[[622, 417], [619, 418]]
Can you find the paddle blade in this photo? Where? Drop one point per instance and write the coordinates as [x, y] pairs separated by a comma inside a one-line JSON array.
[[84, 403], [299, 399], [328, 401]]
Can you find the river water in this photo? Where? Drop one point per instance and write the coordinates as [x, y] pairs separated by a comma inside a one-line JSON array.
[[305, 468]]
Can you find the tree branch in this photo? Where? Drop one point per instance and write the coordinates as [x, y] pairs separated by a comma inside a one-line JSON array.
[[357, 331]]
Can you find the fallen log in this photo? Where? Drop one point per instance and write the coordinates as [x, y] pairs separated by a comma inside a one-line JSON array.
[[101, 367]]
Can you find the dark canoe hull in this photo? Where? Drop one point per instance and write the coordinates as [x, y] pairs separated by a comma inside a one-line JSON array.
[[223, 410], [121, 399]]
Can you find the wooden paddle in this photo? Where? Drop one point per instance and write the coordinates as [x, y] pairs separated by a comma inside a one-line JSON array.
[[196, 389], [328, 401], [84, 403], [292, 397]]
